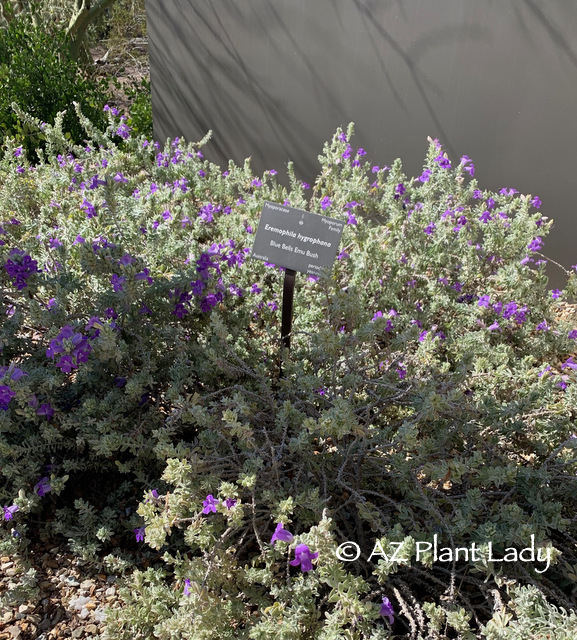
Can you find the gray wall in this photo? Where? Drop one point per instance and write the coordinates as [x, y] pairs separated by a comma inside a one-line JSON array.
[[273, 79]]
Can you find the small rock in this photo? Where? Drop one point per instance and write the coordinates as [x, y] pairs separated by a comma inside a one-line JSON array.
[[45, 584], [34, 618], [101, 577], [44, 625], [111, 579], [86, 584], [7, 616], [91, 629], [51, 563], [71, 582], [14, 631], [84, 613], [91, 606], [11, 572], [78, 632], [110, 591], [6, 565], [5, 559]]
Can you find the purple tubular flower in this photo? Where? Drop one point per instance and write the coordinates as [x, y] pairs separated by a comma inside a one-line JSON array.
[[21, 269], [387, 610], [6, 394], [569, 364], [117, 281], [281, 534], [535, 244], [10, 511], [139, 533], [123, 131], [425, 176], [42, 487], [45, 410], [326, 202], [143, 275], [229, 503], [187, 590], [304, 557], [209, 504]]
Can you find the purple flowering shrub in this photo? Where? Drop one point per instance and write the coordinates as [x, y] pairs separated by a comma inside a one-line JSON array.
[[430, 389]]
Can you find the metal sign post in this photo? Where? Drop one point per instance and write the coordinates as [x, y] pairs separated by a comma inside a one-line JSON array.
[[299, 241], [288, 292]]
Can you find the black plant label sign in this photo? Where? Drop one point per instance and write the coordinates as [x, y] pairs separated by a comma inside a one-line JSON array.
[[297, 239]]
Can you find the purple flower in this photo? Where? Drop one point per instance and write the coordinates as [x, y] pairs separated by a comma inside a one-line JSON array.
[[484, 301], [79, 240], [468, 165], [281, 533], [535, 244], [304, 557], [119, 177], [542, 373], [326, 202], [378, 314], [573, 334], [256, 183], [556, 293], [399, 190], [430, 228], [569, 364], [6, 394], [425, 176], [209, 504], [387, 610], [536, 202], [10, 511], [443, 161], [45, 410], [422, 336], [494, 326], [229, 503], [123, 131], [42, 487], [402, 372], [187, 590], [143, 275], [139, 533], [21, 268], [117, 281], [351, 219], [485, 217], [18, 152]]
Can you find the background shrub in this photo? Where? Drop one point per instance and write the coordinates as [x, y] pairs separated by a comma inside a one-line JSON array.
[[37, 74], [430, 390]]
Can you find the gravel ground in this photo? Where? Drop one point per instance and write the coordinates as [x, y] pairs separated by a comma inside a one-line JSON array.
[[70, 599]]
